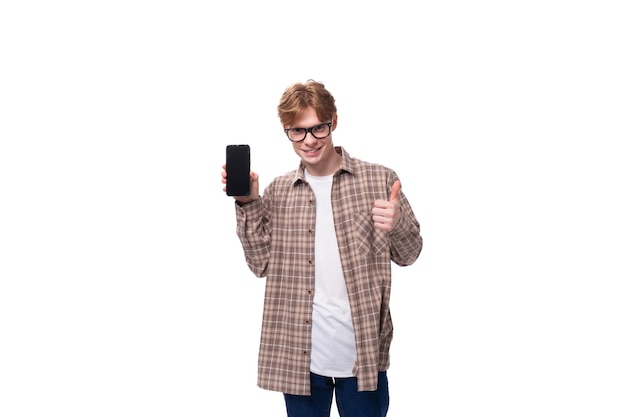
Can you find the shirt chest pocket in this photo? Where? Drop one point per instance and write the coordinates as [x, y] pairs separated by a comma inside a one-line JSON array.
[[367, 239]]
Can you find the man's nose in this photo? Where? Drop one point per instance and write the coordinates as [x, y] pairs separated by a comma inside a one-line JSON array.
[[309, 139]]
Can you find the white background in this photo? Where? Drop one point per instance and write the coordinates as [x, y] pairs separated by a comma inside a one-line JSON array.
[[124, 291]]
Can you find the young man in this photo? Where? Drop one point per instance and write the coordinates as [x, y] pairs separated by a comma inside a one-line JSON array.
[[325, 235]]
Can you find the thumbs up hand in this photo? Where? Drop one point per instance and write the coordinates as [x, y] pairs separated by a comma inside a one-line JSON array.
[[386, 214]]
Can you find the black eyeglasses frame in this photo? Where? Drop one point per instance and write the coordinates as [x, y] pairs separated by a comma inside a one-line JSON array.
[[310, 130]]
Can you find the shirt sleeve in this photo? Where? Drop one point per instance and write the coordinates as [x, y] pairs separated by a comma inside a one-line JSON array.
[[254, 233]]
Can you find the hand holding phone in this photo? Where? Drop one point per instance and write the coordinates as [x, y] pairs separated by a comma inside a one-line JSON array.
[[237, 170]]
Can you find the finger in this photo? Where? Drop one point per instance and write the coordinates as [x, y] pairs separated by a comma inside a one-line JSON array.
[[254, 183], [394, 191]]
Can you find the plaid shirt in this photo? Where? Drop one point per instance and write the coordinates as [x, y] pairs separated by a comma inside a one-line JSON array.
[[277, 233]]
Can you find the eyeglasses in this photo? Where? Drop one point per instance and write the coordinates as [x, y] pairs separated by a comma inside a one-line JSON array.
[[298, 134]]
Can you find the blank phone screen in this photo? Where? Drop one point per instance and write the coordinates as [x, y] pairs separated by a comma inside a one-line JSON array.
[[237, 170]]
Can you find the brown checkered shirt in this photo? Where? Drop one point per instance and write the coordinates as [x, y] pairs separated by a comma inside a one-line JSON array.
[[277, 233]]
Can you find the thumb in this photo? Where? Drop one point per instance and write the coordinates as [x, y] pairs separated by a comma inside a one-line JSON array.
[[394, 191]]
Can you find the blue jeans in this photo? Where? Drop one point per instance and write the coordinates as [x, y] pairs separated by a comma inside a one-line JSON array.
[[350, 402]]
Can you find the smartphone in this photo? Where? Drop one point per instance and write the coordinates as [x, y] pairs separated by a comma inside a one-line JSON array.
[[237, 170]]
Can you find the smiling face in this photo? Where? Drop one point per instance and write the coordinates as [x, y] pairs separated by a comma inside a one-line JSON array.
[[318, 155]]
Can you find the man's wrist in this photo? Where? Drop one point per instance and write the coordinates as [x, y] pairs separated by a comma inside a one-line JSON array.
[[243, 202]]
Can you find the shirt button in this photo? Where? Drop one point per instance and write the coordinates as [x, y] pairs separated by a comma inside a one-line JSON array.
[[310, 262]]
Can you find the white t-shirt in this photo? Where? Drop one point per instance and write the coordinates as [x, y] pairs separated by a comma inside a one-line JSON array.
[[333, 350]]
